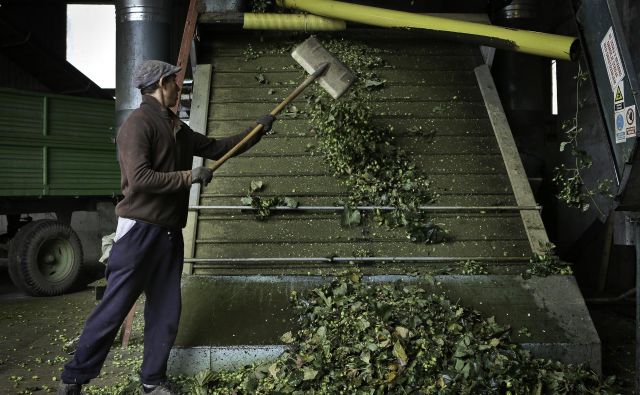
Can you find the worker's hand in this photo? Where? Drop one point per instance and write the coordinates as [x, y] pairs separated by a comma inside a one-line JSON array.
[[266, 121], [201, 175]]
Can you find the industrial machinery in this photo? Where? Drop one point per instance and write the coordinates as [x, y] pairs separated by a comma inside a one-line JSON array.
[[441, 102], [468, 95]]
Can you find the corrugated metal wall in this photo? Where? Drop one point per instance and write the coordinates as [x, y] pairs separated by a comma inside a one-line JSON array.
[[53, 145]]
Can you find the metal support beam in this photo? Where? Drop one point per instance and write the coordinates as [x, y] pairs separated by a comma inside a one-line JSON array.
[[197, 122], [185, 46], [373, 208], [532, 221], [368, 259]]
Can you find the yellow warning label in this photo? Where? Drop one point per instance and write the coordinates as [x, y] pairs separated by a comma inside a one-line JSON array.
[[618, 96]]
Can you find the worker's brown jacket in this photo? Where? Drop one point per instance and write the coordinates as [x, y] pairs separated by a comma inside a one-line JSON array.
[[155, 166]]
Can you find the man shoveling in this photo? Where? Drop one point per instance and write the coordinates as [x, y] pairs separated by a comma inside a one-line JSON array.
[[155, 151]]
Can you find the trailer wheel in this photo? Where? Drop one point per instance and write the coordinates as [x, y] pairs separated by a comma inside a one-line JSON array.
[[45, 258], [14, 274]]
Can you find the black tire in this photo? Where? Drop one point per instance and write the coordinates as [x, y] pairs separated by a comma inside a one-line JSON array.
[[45, 258], [14, 274]]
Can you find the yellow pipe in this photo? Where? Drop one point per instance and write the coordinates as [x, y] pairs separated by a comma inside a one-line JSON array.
[[303, 22], [543, 44]]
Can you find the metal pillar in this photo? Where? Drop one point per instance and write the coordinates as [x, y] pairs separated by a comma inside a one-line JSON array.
[[142, 32], [524, 85]]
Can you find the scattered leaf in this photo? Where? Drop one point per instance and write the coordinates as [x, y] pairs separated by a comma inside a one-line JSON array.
[[402, 332], [256, 186], [399, 352], [309, 374], [273, 370], [261, 78], [287, 337], [290, 202], [351, 217], [373, 84]]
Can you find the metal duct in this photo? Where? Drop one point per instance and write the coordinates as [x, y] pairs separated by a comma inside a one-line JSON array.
[[521, 9], [142, 32], [523, 81], [524, 84], [531, 42]]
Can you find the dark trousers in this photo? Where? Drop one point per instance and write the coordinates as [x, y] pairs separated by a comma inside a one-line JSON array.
[[146, 259]]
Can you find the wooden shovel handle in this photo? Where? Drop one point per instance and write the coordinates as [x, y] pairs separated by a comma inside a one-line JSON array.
[[273, 112]]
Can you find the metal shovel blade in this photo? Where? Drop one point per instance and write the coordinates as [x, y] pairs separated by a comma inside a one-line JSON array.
[[312, 55]]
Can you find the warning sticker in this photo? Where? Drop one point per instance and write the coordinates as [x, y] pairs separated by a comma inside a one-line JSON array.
[[630, 121], [618, 96], [611, 56], [621, 133]]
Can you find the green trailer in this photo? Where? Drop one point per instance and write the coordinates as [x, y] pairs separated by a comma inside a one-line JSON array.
[[57, 155]]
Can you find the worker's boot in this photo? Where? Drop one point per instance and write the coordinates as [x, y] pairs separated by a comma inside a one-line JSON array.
[[69, 389], [161, 389]]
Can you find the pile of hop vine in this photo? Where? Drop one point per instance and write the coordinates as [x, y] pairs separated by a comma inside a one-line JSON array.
[[358, 337], [373, 168]]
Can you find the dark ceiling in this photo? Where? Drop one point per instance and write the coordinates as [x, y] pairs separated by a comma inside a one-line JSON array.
[[33, 44]]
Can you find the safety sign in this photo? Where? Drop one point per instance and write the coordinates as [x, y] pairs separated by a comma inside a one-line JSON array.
[[619, 123], [618, 96], [611, 56], [630, 121], [619, 120]]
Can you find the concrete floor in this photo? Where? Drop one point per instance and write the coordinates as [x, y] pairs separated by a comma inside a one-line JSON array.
[[33, 332], [615, 326], [33, 335]]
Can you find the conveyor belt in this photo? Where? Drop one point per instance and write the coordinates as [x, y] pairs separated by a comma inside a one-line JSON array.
[[432, 100]]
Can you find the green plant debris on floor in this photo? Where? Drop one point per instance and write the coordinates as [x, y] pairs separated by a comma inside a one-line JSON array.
[[362, 323], [35, 344], [359, 337]]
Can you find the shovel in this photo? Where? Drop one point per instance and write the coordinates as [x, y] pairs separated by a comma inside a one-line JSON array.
[[332, 75]]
